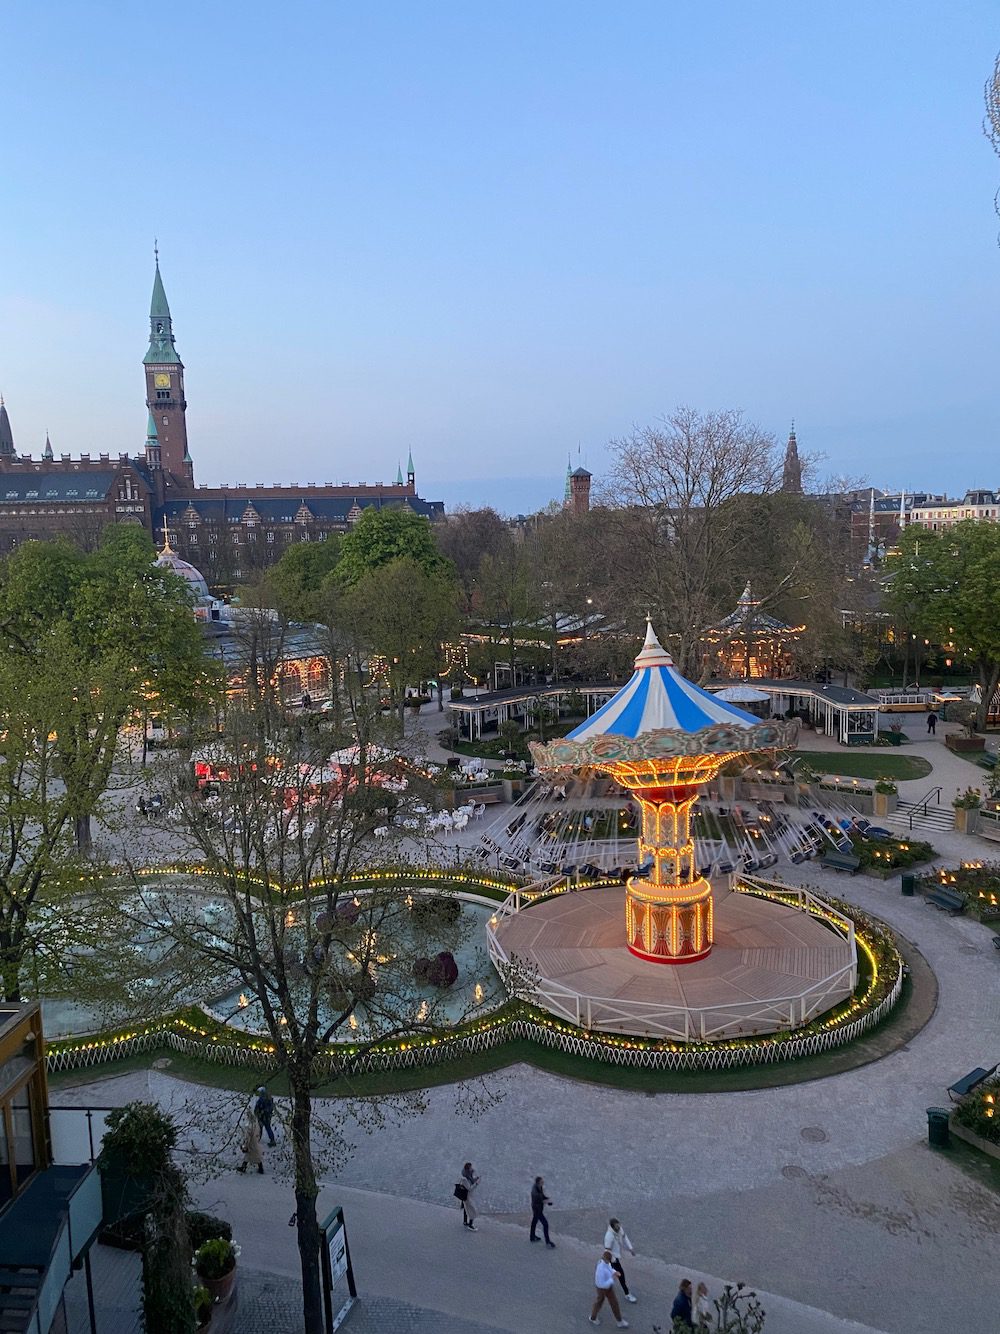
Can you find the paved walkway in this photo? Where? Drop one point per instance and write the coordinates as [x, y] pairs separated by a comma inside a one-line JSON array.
[[824, 1194], [753, 1185]]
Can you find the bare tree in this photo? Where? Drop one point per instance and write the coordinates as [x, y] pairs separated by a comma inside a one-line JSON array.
[[673, 487], [304, 949], [991, 123]]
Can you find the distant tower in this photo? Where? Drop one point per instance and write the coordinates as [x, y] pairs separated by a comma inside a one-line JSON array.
[[47, 451], [399, 475], [568, 491], [791, 477], [153, 460], [902, 511], [165, 385], [872, 554], [7, 450], [579, 491], [411, 476]]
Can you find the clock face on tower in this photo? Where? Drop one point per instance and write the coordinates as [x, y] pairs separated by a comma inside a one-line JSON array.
[[161, 381]]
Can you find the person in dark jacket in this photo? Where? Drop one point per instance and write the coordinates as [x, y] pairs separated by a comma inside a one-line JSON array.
[[264, 1110], [681, 1309], [538, 1202], [932, 722]]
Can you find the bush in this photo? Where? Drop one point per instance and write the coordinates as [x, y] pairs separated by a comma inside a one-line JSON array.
[[978, 1111], [969, 800]]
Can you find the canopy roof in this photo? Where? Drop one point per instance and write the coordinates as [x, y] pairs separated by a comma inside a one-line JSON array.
[[742, 695], [656, 697], [659, 714], [748, 616]]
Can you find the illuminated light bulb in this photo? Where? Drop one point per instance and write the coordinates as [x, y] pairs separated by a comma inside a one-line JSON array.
[[479, 991], [244, 1000]]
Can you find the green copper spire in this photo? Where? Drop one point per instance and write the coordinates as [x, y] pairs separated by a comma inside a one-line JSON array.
[[409, 464], [161, 330], [399, 475], [151, 429]]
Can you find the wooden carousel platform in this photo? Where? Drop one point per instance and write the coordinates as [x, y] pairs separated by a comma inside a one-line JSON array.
[[772, 968]]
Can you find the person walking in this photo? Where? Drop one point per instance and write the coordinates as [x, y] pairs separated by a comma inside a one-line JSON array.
[[616, 1240], [264, 1110], [538, 1202], [932, 722], [702, 1314], [470, 1181], [251, 1146], [604, 1282], [681, 1309]]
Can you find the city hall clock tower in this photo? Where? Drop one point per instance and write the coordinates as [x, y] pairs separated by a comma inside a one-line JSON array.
[[165, 387]]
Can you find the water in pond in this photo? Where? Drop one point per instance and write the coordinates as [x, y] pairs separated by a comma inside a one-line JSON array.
[[476, 990]]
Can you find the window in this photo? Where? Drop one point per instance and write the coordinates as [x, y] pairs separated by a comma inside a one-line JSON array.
[[162, 394], [270, 537]]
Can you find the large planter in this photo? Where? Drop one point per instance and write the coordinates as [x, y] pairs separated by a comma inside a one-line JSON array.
[[220, 1288], [965, 744], [512, 788], [727, 787], [966, 819], [884, 803], [970, 1137]]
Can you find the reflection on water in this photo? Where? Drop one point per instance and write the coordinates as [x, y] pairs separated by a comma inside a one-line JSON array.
[[476, 991]]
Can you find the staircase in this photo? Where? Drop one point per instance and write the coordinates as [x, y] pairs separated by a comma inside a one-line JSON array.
[[926, 818]]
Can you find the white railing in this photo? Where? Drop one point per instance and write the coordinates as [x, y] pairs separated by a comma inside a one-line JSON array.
[[689, 1024]]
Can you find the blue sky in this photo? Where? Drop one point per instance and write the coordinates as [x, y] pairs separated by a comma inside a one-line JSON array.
[[494, 233]]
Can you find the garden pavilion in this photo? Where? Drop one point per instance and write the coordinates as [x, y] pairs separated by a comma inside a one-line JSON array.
[[750, 642]]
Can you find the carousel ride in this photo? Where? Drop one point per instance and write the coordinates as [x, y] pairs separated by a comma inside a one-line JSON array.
[[622, 788]]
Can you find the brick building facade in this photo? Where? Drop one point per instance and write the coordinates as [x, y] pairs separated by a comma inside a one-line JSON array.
[[229, 532]]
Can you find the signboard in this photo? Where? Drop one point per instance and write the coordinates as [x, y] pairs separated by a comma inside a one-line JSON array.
[[339, 1289]]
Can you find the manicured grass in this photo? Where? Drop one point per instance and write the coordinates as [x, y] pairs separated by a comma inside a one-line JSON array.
[[866, 764]]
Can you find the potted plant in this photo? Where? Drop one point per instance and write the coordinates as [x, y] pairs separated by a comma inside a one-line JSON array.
[[886, 796], [202, 1306], [969, 739], [215, 1264], [967, 806]]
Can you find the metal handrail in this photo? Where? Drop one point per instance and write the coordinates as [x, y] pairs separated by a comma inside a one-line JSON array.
[[920, 807]]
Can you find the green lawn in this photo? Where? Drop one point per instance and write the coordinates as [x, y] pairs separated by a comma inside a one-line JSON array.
[[855, 764]]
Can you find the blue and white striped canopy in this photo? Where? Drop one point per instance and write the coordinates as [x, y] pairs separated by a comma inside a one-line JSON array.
[[658, 697]]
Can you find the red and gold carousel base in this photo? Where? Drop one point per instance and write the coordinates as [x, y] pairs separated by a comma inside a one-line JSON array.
[[669, 923]]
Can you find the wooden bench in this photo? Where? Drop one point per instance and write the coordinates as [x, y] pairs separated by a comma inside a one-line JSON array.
[[987, 760], [841, 861], [968, 1082], [946, 900]]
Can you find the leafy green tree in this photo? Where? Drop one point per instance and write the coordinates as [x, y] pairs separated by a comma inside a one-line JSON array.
[[295, 584], [382, 536], [944, 585], [405, 614], [87, 640]]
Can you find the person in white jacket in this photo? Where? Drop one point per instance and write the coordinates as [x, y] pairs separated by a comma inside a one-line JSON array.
[[604, 1282], [616, 1240]]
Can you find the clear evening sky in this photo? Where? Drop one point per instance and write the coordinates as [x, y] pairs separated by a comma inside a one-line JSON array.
[[492, 232]]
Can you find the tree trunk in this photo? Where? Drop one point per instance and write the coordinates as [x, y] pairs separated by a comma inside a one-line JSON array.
[[440, 695], [83, 833], [306, 1191]]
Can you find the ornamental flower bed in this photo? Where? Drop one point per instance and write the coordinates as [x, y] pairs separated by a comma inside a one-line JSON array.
[[884, 857], [978, 882], [977, 1112]]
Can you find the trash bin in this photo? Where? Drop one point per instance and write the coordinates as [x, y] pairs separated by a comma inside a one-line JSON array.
[[908, 884], [938, 1136]]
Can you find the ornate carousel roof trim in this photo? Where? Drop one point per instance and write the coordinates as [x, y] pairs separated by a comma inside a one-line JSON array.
[[659, 713]]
